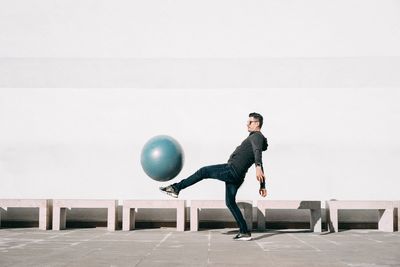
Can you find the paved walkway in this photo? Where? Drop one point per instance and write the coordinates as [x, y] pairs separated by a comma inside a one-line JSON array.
[[166, 247]]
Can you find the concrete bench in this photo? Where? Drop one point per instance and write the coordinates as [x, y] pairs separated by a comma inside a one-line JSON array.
[[385, 208], [313, 206], [130, 205], [60, 213], [196, 205], [44, 206]]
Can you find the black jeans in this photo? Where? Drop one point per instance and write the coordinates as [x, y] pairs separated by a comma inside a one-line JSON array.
[[225, 173]]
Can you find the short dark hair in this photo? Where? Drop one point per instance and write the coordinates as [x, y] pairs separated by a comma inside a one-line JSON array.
[[258, 117]]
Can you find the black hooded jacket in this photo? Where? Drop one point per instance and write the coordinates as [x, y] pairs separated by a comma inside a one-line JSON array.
[[248, 153]]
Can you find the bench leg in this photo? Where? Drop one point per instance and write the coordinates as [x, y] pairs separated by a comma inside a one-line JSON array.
[[2, 209], [128, 220], [248, 215], [180, 218], [56, 218], [332, 220], [315, 220], [132, 224], [59, 218], [386, 220], [261, 219], [44, 221], [63, 218], [111, 218], [194, 219], [49, 213]]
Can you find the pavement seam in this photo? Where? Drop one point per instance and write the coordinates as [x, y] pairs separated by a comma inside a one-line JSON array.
[[366, 238], [151, 251], [327, 240], [305, 243]]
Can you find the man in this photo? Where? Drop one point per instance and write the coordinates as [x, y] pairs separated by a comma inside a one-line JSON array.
[[233, 173]]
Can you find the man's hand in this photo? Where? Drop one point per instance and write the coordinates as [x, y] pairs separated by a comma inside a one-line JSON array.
[[262, 192], [260, 174]]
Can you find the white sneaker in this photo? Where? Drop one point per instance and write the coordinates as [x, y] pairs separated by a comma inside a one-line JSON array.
[[169, 190]]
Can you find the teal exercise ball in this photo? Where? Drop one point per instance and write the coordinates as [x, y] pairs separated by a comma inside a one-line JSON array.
[[162, 158]]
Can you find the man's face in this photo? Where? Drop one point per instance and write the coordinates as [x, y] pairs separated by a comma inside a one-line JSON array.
[[252, 124]]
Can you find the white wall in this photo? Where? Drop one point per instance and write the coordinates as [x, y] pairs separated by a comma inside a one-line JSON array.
[[324, 143], [84, 84]]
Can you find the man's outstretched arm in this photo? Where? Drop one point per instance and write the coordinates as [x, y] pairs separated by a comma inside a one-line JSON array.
[[257, 143], [262, 191]]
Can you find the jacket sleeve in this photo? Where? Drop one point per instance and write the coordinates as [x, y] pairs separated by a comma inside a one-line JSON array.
[[257, 144]]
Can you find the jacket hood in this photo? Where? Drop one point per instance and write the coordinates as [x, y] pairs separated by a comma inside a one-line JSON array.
[[265, 144], [265, 141]]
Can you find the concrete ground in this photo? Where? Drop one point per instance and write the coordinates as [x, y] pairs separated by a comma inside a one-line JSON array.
[[166, 247]]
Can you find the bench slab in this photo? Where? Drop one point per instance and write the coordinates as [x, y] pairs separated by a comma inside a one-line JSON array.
[[44, 206], [385, 209], [196, 205], [130, 205], [313, 206], [60, 206]]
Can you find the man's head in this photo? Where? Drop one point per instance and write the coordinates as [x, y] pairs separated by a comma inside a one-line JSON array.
[[255, 122]]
